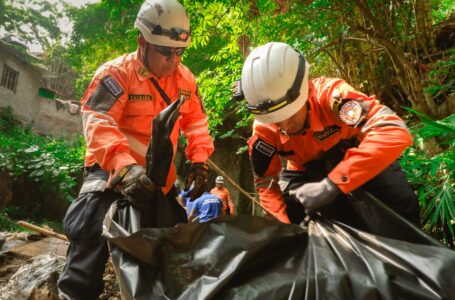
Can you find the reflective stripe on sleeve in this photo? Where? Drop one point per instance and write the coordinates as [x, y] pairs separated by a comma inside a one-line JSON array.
[[383, 117]]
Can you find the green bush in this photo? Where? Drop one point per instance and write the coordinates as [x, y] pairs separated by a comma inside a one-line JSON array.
[[52, 164], [6, 224], [430, 167]]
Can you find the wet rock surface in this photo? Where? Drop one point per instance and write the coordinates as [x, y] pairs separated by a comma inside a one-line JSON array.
[[30, 266]]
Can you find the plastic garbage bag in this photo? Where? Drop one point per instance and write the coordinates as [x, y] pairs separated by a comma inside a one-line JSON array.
[[258, 258], [248, 257]]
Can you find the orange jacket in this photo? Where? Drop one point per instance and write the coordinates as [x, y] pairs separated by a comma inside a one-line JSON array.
[[119, 106], [223, 194], [382, 134]]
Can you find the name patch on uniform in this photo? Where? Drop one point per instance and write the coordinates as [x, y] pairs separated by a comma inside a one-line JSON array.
[[264, 148], [112, 86], [184, 94], [139, 97], [326, 133], [351, 113]]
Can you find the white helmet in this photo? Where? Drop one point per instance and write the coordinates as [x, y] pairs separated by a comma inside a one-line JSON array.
[[219, 179], [164, 23], [275, 82]]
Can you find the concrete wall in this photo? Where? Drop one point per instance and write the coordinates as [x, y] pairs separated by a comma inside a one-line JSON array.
[[47, 116], [24, 101], [57, 118]]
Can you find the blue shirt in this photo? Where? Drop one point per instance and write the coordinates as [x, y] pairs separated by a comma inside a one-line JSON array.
[[207, 207], [187, 200]]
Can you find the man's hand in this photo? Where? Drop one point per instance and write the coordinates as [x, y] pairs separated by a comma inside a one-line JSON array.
[[199, 174], [133, 183], [316, 194]]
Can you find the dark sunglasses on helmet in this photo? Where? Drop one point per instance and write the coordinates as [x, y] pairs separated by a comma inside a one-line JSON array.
[[168, 51], [268, 106]]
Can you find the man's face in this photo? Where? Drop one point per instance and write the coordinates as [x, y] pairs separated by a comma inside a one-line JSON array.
[[219, 185], [160, 61], [295, 123]]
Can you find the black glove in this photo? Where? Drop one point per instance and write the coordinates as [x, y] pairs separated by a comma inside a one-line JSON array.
[[199, 174], [315, 195], [137, 188]]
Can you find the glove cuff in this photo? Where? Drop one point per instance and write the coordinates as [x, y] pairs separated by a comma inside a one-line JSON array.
[[120, 175], [331, 186]]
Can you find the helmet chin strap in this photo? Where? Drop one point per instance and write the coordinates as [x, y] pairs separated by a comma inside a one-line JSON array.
[[284, 132]]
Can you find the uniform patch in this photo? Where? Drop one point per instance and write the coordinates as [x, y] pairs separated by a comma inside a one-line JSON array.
[[112, 86], [351, 113], [139, 97], [105, 95], [335, 105], [261, 156], [326, 133], [264, 148], [143, 72], [185, 94]]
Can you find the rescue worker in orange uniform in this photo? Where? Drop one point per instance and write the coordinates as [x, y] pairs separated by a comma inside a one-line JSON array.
[[222, 192], [332, 137], [118, 108]]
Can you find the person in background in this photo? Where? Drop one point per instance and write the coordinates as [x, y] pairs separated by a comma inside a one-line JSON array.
[[333, 138], [205, 208], [223, 193], [185, 199], [118, 108]]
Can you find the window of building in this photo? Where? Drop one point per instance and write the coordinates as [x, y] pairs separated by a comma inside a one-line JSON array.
[[9, 78]]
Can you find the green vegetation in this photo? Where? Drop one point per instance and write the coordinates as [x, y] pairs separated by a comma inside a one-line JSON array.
[[394, 49], [430, 167], [53, 164], [40, 168]]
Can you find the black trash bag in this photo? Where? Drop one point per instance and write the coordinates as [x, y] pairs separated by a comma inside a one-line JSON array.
[[359, 209], [248, 257], [160, 152]]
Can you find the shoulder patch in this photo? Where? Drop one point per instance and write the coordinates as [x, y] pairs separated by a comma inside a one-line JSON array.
[[351, 113], [143, 72], [335, 102], [105, 95], [261, 156], [112, 86]]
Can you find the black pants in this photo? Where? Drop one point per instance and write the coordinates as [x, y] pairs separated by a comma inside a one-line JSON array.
[[82, 276], [390, 187]]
